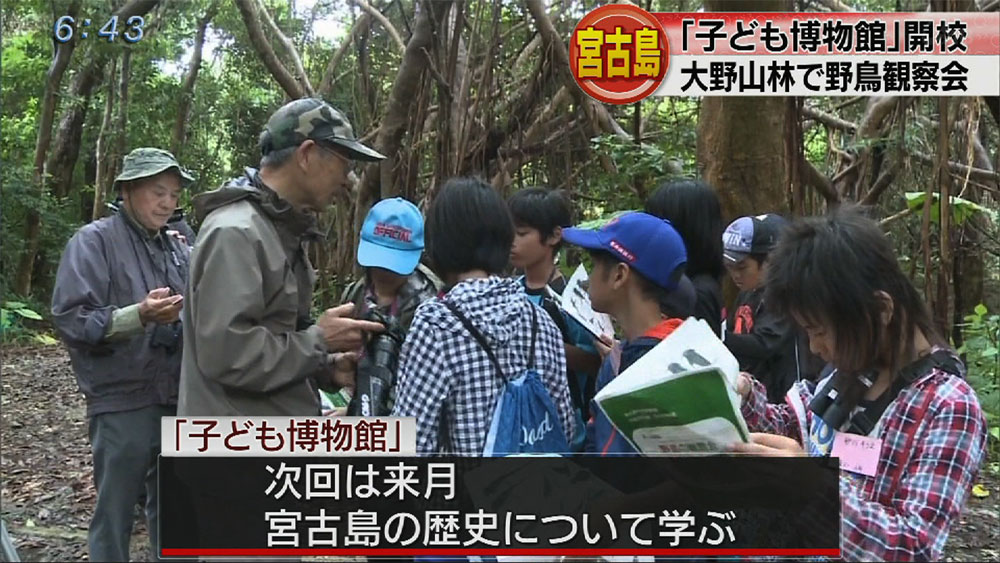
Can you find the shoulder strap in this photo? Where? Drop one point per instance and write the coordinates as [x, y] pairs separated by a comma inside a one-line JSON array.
[[616, 358], [864, 421], [478, 336]]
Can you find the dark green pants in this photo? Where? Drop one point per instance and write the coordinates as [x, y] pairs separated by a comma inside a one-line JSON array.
[[125, 446]]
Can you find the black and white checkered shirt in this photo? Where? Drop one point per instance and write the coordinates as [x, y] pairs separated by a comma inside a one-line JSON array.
[[447, 381]]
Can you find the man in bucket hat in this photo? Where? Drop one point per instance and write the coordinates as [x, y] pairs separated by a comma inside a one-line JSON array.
[[116, 306]]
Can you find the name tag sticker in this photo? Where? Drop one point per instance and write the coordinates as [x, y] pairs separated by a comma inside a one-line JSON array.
[[858, 454]]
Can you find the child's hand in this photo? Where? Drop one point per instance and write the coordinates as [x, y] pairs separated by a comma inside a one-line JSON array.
[[770, 445], [604, 344], [743, 385]]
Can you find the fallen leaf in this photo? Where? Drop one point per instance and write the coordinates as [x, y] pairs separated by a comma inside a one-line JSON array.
[[30, 523], [980, 491]]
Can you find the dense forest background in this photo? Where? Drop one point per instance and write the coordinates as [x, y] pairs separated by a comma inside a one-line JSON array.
[[479, 87]]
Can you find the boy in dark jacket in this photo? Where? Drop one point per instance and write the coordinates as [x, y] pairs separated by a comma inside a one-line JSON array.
[[539, 217], [639, 262], [766, 345]]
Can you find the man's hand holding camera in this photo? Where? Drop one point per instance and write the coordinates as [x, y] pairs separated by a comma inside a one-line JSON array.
[[160, 307], [345, 369], [342, 332]]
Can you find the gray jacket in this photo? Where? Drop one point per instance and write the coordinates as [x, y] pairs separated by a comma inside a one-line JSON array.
[[111, 264], [250, 348]]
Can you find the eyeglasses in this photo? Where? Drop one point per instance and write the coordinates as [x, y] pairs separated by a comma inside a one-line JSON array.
[[351, 164]]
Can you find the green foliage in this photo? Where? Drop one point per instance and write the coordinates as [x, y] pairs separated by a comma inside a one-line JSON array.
[[981, 348], [16, 324], [961, 209]]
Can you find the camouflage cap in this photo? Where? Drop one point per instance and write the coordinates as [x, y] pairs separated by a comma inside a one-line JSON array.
[[311, 118], [148, 161]]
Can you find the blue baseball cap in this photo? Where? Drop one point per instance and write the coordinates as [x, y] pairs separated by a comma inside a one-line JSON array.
[[392, 237], [752, 235], [649, 244]]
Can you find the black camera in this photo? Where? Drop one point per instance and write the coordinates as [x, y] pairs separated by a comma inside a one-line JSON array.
[[167, 337], [377, 369]]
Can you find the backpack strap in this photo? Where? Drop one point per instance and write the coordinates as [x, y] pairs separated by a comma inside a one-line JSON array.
[[616, 359], [479, 337], [534, 333]]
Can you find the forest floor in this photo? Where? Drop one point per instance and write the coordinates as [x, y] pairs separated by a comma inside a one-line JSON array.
[[48, 492]]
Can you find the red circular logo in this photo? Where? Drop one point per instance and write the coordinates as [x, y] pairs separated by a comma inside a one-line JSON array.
[[619, 54]]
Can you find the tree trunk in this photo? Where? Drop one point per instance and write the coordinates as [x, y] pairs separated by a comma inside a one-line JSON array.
[[187, 90], [740, 140], [969, 265], [32, 223], [941, 302], [121, 122], [381, 178], [66, 147], [53, 79], [102, 181], [94, 65]]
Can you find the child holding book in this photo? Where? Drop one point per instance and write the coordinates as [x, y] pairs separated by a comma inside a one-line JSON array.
[[896, 387], [639, 262]]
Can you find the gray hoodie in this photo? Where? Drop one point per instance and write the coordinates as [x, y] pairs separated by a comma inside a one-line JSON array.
[[249, 347]]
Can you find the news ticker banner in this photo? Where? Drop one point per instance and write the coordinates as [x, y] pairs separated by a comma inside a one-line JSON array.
[[703, 507], [620, 54]]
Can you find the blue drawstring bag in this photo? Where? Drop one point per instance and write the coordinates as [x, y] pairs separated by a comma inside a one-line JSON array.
[[525, 420]]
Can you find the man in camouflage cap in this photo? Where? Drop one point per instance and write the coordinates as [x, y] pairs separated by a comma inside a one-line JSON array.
[[251, 284], [314, 119], [250, 346], [116, 305]]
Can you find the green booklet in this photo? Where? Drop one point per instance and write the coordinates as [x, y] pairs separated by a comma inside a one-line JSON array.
[[680, 397], [334, 401]]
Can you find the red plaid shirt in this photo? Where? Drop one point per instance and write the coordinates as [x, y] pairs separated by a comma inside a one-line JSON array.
[[933, 440]]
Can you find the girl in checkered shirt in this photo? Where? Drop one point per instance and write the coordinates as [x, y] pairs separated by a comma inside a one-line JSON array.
[[891, 379], [447, 381]]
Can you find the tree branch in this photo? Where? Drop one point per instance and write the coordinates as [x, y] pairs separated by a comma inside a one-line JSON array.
[[331, 67], [598, 115], [558, 101], [438, 77], [884, 181], [828, 119], [187, 89], [836, 5], [293, 53], [817, 180], [390, 29], [983, 176], [248, 11], [878, 109]]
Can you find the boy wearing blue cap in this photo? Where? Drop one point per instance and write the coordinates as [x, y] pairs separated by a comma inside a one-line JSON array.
[[394, 281], [638, 271], [767, 346]]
